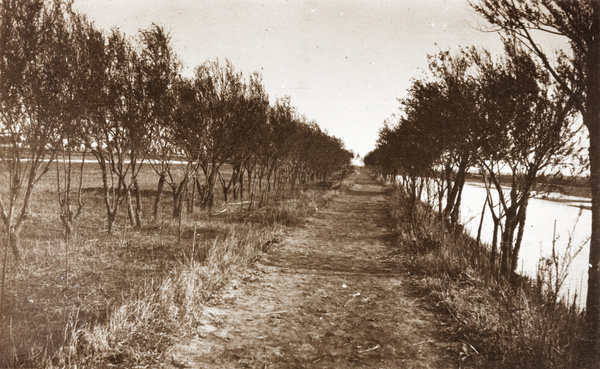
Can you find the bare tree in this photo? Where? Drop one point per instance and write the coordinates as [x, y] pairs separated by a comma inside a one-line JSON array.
[[253, 119], [277, 145], [29, 90], [221, 95], [160, 69], [188, 133], [528, 130], [66, 63], [115, 132]]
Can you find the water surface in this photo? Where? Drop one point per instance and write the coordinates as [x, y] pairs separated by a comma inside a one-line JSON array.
[[573, 224]]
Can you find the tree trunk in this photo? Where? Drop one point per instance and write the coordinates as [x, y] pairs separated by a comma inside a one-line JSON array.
[[259, 180], [240, 186], [110, 219], [507, 243], [138, 204], [109, 199], [15, 244], [591, 119], [481, 222], [201, 189], [178, 197], [211, 179], [454, 216], [192, 199], [226, 194], [522, 216], [233, 183], [251, 188], [130, 211], [593, 294], [159, 192]]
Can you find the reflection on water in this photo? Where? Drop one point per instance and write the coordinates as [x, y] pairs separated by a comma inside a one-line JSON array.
[[537, 240]]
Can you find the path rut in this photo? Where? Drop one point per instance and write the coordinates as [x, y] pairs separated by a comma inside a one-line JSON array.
[[327, 296]]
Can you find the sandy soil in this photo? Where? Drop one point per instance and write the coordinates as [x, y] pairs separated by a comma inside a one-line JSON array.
[[327, 296]]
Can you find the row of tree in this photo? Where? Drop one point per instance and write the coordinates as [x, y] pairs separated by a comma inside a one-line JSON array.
[[575, 72], [68, 89], [504, 116]]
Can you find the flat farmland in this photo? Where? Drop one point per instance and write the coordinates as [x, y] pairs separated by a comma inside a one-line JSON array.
[[59, 300]]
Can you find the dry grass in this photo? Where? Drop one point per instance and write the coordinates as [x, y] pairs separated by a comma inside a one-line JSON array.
[[162, 311], [124, 299], [499, 325], [294, 210]]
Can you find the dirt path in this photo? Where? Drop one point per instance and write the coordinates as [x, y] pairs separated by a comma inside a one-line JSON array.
[[327, 296]]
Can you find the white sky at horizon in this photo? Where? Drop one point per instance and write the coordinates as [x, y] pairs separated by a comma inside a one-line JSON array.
[[344, 63]]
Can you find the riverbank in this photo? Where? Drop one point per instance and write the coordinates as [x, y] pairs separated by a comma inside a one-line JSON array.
[[499, 325], [565, 189]]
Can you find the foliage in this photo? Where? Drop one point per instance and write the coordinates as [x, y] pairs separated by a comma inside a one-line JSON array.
[[530, 133], [505, 116], [66, 84], [68, 88], [576, 72]]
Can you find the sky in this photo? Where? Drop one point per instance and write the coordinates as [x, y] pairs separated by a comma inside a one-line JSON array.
[[344, 63]]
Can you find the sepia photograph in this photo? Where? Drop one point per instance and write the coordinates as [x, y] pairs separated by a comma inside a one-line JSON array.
[[300, 184]]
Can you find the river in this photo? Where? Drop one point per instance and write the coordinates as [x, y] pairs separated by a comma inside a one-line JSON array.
[[573, 221]]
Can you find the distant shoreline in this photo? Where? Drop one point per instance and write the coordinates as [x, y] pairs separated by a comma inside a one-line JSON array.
[[577, 193]]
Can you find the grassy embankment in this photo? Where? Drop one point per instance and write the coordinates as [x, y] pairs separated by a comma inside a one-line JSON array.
[[498, 325], [124, 299]]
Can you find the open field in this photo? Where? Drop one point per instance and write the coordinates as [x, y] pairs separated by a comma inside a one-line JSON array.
[[125, 298]]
